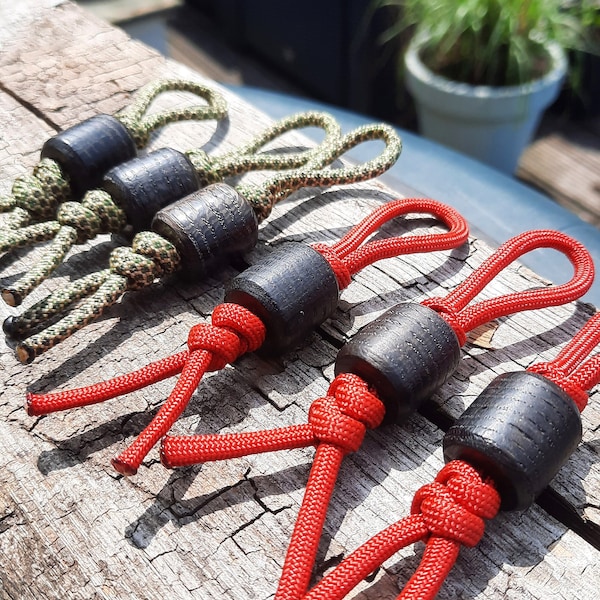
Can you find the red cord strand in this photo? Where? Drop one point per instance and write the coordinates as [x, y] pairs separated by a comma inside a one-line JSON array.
[[337, 425], [304, 543], [41, 404], [185, 450], [569, 370], [463, 318]]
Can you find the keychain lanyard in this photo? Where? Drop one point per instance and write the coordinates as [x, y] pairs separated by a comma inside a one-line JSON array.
[[272, 305], [76, 159], [499, 459], [195, 235], [387, 369], [133, 192]]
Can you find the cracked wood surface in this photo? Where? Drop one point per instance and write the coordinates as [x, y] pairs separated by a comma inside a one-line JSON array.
[[70, 527]]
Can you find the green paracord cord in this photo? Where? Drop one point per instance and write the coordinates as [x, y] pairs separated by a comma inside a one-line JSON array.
[[35, 197], [97, 213], [152, 257]]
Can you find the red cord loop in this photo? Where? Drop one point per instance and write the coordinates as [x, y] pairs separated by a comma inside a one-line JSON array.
[[465, 318], [348, 256], [342, 417]]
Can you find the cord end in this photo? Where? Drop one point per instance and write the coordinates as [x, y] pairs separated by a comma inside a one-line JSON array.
[[11, 297], [33, 405], [25, 354], [123, 467], [164, 458]]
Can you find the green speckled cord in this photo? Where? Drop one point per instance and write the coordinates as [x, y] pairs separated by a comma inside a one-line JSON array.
[[136, 267], [35, 197], [78, 222]]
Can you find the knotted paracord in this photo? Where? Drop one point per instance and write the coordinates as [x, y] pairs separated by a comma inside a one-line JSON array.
[[348, 250], [449, 528], [262, 197], [300, 557], [338, 419], [98, 212], [445, 515], [35, 197], [337, 424]]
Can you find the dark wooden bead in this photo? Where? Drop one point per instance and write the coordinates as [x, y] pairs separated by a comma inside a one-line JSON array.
[[86, 151], [293, 290], [209, 228], [144, 185], [520, 431], [405, 354]]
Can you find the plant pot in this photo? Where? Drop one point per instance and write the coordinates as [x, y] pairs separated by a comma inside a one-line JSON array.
[[492, 124]]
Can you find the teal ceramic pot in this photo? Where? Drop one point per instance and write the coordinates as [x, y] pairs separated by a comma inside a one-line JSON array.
[[492, 124]]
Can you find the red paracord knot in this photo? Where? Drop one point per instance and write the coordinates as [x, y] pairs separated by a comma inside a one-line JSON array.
[[455, 505], [446, 514], [235, 331], [342, 417]]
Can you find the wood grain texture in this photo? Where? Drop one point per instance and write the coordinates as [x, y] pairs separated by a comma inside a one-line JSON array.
[[71, 527]]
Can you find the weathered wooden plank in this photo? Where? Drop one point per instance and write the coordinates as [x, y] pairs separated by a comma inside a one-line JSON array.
[[70, 527], [566, 171], [21, 134]]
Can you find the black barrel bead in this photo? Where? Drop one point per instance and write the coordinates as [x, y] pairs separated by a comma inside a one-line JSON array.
[[520, 431], [209, 228], [144, 185], [86, 151], [405, 354], [293, 290]]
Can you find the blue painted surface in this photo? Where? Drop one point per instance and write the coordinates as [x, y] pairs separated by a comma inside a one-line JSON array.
[[496, 206]]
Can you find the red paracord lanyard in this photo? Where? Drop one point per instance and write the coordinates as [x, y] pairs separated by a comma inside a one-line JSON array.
[[236, 329], [450, 512], [338, 422]]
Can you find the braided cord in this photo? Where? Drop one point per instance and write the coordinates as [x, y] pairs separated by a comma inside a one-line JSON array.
[[337, 424], [76, 223], [107, 294], [333, 148], [53, 305], [35, 197], [11, 239], [211, 169], [348, 256], [97, 212], [141, 125], [149, 258], [570, 370], [316, 174]]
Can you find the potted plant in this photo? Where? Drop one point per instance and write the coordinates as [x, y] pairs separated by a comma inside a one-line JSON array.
[[482, 72]]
